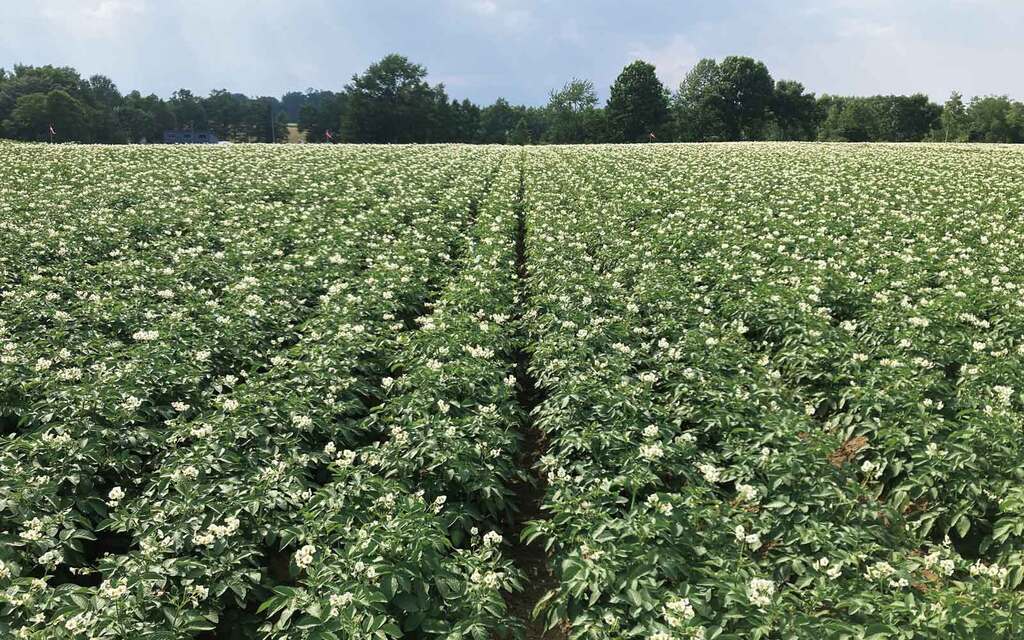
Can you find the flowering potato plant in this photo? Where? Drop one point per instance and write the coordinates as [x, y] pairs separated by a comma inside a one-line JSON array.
[[782, 390], [234, 419], [340, 392]]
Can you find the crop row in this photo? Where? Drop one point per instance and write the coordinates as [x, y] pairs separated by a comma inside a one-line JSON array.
[[771, 410], [250, 453], [776, 391]]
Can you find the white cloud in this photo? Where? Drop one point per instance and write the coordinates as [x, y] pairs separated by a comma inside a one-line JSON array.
[[569, 31], [521, 48], [92, 18], [507, 14], [860, 28], [672, 60], [483, 7]]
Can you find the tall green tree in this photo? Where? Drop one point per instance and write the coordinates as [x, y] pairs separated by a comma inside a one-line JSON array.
[[188, 110], [27, 79], [520, 134], [747, 93], [321, 113], [793, 112], [992, 119], [161, 115], [390, 102], [464, 121], [68, 115], [265, 120], [496, 122], [698, 106], [225, 114], [100, 98], [29, 119], [571, 113], [292, 102], [35, 113], [850, 120], [637, 105], [955, 123], [136, 124]]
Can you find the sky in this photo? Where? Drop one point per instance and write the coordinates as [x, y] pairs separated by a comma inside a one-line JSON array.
[[522, 49]]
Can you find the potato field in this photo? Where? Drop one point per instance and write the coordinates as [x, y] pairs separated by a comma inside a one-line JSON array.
[[326, 392]]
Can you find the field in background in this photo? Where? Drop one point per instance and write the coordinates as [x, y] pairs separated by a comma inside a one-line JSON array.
[[655, 391], [294, 135]]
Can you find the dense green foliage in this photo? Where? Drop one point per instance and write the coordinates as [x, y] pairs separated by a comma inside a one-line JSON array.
[[32, 99], [638, 105], [774, 391], [782, 390], [734, 100], [392, 102], [269, 394]]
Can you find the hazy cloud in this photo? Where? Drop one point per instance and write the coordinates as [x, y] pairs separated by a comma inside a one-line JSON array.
[[521, 49], [672, 60]]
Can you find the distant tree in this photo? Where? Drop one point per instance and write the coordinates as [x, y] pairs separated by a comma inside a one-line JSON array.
[[793, 112], [440, 124], [68, 116], [570, 113], [159, 110], [913, 117], [464, 121], [747, 94], [34, 113], [638, 104], [520, 134], [954, 120], [264, 120], [992, 119], [100, 98], [849, 120], [390, 102], [595, 125], [28, 79], [291, 103], [699, 105], [321, 113], [103, 92], [136, 124], [188, 110], [536, 121], [1015, 121], [30, 118], [226, 113], [92, 102], [496, 122]]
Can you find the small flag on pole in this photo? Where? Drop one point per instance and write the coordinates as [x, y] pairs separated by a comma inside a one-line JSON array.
[[327, 134]]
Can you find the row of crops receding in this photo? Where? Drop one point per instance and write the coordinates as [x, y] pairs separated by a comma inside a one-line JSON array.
[[656, 391]]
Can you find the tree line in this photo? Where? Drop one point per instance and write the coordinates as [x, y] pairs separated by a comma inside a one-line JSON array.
[[733, 99]]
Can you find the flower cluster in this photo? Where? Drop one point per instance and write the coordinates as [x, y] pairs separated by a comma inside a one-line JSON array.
[[811, 354], [295, 383], [207, 408]]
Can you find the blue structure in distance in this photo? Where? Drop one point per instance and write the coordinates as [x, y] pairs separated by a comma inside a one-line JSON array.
[[187, 136]]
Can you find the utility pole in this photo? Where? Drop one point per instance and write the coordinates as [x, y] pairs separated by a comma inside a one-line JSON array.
[[272, 136]]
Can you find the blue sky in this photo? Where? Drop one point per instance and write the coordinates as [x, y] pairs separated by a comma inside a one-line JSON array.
[[521, 49]]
